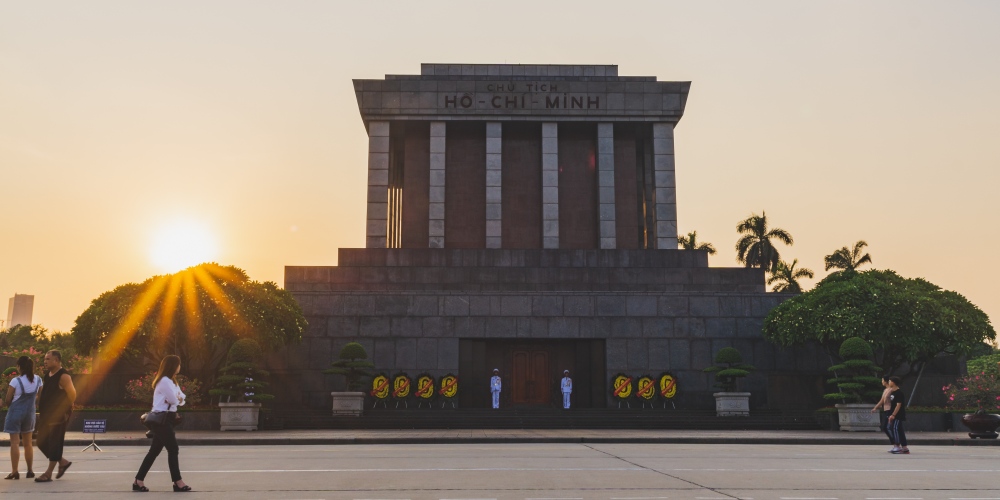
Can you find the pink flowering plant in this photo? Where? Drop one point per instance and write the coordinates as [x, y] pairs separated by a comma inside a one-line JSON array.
[[141, 389], [979, 390]]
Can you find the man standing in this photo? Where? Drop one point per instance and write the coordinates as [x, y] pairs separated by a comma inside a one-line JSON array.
[[55, 406], [495, 388], [896, 417], [567, 388]]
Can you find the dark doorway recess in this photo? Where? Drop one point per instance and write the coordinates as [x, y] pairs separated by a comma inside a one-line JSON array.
[[531, 370]]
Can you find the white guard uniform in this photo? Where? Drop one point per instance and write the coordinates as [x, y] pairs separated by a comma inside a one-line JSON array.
[[567, 389], [495, 389]]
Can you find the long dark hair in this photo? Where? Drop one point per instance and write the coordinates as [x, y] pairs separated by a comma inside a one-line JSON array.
[[168, 368], [26, 367]]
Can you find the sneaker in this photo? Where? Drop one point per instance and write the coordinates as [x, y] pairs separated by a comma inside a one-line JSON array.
[[894, 450], [900, 452]]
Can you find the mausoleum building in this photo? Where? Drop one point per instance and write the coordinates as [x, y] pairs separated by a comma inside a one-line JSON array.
[[524, 217]]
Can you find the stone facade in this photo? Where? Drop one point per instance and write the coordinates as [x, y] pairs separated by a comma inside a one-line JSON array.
[[528, 212]]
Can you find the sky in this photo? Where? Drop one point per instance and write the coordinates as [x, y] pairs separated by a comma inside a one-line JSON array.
[[126, 126]]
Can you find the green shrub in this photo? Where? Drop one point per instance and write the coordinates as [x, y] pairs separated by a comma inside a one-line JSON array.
[[984, 364], [242, 380], [353, 365], [729, 369], [856, 377]]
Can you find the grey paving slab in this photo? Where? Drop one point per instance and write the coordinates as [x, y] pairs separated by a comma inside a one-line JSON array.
[[567, 471]]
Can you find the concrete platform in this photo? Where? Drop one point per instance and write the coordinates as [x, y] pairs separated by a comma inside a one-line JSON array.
[[486, 436]]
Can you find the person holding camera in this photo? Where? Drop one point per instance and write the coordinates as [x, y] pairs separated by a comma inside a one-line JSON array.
[[167, 396]]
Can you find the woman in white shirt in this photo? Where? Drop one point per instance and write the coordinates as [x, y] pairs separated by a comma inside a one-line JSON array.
[[167, 396], [20, 422]]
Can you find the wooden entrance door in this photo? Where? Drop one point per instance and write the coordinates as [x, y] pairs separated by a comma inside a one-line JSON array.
[[530, 378]]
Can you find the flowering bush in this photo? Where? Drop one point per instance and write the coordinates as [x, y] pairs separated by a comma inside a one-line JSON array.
[[74, 364], [141, 389], [977, 390], [9, 374]]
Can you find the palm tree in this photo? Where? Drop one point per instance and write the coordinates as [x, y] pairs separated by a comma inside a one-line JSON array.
[[754, 248], [786, 277], [690, 242], [848, 260]]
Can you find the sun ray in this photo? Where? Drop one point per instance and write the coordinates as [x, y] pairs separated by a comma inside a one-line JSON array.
[[111, 351], [226, 307], [167, 312]]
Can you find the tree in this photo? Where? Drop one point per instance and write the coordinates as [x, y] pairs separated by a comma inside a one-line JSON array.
[[353, 365], [907, 321], [787, 277], [197, 314], [729, 369], [848, 259], [754, 248], [856, 377], [690, 242]]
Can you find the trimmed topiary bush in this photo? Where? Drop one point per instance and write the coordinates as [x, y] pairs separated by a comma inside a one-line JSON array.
[[729, 369], [353, 365], [242, 380], [856, 377]]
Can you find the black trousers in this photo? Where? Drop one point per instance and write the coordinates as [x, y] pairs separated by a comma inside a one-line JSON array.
[[163, 437], [50, 440], [884, 425], [898, 435]]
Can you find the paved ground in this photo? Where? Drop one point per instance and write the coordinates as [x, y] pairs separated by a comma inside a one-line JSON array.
[[481, 436], [541, 471]]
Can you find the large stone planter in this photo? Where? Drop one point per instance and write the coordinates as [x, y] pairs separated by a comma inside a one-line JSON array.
[[983, 425], [857, 417], [732, 404], [348, 403], [239, 416]]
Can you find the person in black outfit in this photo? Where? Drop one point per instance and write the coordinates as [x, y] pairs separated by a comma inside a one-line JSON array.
[[167, 396], [55, 407], [897, 416]]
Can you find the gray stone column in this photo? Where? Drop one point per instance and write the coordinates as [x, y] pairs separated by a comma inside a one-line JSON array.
[[550, 185], [606, 183], [494, 150], [435, 205], [665, 208], [376, 227]]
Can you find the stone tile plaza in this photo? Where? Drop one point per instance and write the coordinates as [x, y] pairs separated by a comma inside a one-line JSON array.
[[524, 218]]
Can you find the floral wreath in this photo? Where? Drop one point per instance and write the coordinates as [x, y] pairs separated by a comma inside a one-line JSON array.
[[448, 386], [622, 386]]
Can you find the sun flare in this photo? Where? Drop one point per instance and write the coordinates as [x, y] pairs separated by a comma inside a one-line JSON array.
[[181, 245]]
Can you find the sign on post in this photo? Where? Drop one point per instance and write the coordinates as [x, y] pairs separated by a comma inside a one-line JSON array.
[[94, 427]]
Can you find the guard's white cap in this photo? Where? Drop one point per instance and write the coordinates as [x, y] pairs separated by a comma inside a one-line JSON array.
[[565, 371], [496, 369]]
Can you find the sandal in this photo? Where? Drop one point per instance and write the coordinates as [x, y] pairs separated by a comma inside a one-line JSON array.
[[43, 479], [30, 474], [62, 470], [13, 475], [136, 487], [179, 489]]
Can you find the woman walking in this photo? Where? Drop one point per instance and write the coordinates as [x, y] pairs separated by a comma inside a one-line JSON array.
[[167, 396], [20, 423]]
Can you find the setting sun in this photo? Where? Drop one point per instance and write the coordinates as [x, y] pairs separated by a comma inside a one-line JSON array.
[[181, 245]]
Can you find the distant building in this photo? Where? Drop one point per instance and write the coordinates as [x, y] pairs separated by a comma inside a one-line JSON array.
[[19, 309]]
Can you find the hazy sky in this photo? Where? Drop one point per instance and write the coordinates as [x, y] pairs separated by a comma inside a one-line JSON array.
[[843, 120]]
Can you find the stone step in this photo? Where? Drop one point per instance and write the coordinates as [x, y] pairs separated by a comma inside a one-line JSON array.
[[437, 418]]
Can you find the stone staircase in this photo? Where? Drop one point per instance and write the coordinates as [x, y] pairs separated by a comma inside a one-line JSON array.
[[437, 418]]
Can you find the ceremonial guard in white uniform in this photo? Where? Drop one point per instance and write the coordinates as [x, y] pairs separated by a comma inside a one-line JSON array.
[[567, 388], [495, 387]]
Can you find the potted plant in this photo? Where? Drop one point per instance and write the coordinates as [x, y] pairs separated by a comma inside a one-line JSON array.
[[729, 369], [981, 391], [354, 366], [856, 378], [240, 385]]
